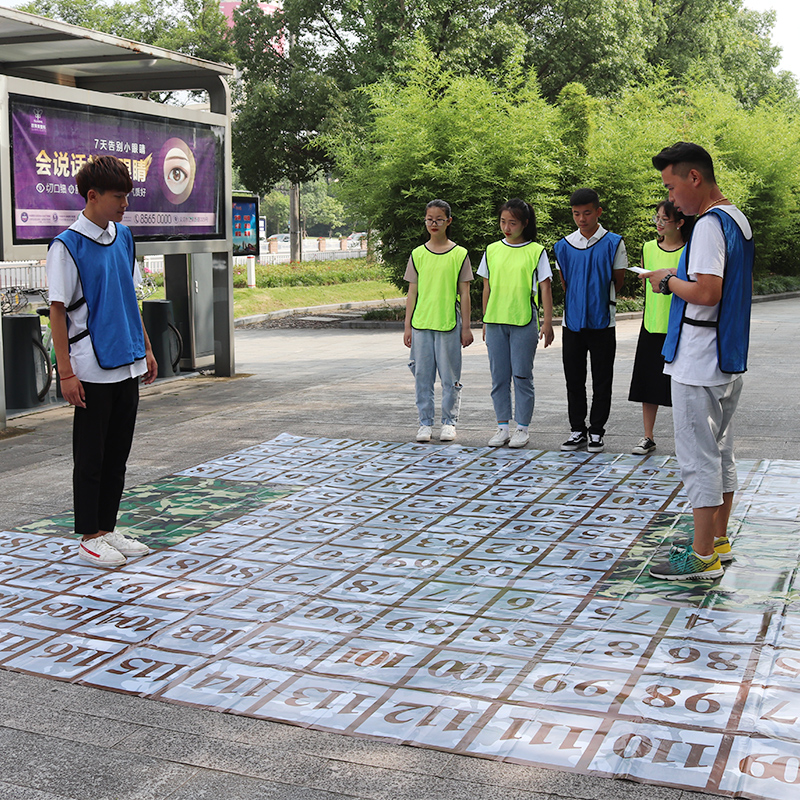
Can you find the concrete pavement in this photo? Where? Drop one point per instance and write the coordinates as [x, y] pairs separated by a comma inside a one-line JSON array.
[[63, 741]]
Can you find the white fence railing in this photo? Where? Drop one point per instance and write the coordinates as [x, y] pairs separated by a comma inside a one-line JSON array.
[[23, 275], [31, 275]]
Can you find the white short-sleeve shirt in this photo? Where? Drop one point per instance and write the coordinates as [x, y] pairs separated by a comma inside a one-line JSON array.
[[64, 286]]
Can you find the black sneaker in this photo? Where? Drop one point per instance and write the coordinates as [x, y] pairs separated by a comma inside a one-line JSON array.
[[596, 443], [577, 440], [645, 446]]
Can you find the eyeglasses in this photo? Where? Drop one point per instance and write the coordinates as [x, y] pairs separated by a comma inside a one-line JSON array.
[[664, 220], [435, 222]]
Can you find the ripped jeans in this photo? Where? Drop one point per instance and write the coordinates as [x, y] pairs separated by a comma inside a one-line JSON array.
[[433, 351]]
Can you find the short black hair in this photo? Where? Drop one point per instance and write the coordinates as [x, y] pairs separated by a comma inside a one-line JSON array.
[[684, 156], [103, 174], [584, 197]]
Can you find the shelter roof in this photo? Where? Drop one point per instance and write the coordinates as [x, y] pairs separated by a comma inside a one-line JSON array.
[[42, 49]]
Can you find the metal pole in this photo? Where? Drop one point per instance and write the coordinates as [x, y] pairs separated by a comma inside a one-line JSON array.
[[294, 223], [3, 417]]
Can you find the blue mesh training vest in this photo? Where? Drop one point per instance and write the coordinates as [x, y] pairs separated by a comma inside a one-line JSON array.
[[106, 275], [588, 274], [733, 317]]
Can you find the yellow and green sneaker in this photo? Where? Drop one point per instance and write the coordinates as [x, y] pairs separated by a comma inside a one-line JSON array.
[[684, 564], [722, 547]]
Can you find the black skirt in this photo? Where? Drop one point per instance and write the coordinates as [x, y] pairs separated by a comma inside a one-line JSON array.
[[649, 384]]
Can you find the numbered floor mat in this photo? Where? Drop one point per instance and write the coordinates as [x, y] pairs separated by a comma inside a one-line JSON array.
[[493, 603]]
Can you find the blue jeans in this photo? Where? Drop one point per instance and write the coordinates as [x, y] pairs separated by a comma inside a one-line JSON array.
[[433, 351], [511, 350]]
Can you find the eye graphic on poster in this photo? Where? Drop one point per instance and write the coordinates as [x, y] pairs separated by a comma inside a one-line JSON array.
[[176, 165], [179, 170]]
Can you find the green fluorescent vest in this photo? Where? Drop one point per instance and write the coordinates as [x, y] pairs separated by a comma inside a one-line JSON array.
[[656, 306], [437, 289], [512, 273]]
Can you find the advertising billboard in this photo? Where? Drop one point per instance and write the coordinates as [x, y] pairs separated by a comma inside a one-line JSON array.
[[176, 167], [245, 226]]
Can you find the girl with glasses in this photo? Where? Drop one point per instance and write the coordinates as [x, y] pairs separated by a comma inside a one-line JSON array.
[[437, 322], [649, 385]]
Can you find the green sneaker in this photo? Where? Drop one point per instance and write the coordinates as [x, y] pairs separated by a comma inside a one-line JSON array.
[[722, 547], [685, 565]]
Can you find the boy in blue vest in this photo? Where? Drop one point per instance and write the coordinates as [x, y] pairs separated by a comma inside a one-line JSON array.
[[591, 262], [705, 352], [102, 350]]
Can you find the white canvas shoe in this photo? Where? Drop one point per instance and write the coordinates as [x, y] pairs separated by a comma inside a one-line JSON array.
[[519, 438], [126, 545], [448, 433], [99, 552], [500, 438]]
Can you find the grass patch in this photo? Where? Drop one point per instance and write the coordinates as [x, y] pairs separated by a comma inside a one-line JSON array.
[[312, 273], [247, 302]]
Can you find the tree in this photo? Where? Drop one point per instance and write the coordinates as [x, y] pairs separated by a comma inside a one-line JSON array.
[[193, 27], [319, 209], [603, 44], [281, 102], [610, 44], [274, 208], [756, 155], [460, 138], [303, 67]]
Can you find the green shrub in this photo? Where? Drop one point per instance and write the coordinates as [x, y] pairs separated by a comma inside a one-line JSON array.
[[462, 139], [476, 144], [756, 156], [776, 284], [386, 313], [312, 273]]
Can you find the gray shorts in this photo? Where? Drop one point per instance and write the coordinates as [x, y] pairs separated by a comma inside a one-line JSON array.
[[702, 416]]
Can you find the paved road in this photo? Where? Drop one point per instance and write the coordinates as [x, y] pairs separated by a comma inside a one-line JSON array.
[[61, 741]]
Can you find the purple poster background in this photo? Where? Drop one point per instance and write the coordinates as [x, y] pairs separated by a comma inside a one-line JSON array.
[[176, 168], [245, 227]]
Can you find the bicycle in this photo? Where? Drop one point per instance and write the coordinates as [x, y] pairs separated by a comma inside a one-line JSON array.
[[147, 287], [44, 352], [13, 299]]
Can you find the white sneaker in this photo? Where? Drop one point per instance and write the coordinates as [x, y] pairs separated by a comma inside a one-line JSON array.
[[424, 433], [126, 545], [519, 438], [99, 552], [500, 438], [596, 443], [448, 433]]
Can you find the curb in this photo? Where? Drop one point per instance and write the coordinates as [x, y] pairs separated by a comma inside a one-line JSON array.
[[398, 324], [240, 322], [766, 298]]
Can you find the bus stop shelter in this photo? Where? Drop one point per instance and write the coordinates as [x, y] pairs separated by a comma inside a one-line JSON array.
[[85, 83]]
